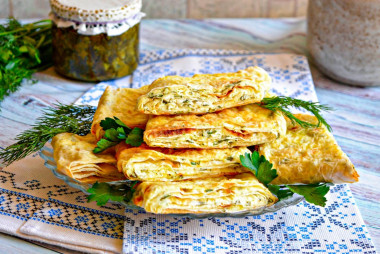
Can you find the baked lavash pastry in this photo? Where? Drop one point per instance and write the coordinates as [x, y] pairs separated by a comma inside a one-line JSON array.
[[242, 192], [219, 115], [164, 164], [120, 102], [240, 126], [74, 157], [204, 93], [308, 155]]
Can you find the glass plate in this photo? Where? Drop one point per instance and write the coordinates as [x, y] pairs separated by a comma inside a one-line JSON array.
[[47, 154]]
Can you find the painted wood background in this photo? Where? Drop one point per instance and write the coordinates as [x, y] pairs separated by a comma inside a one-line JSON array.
[[177, 9]]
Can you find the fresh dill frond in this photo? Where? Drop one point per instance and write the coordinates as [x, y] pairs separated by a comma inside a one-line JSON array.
[[55, 120], [282, 103]]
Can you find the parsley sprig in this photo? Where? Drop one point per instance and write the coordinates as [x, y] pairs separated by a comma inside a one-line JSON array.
[[282, 103], [265, 173], [259, 166], [102, 192], [24, 49], [116, 131]]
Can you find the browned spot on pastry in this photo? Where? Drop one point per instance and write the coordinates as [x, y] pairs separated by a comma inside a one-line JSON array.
[[168, 133]]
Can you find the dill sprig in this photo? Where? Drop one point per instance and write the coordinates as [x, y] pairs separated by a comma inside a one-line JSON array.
[[55, 120], [282, 103]]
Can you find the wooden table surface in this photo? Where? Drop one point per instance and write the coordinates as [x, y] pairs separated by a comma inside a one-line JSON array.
[[355, 121]]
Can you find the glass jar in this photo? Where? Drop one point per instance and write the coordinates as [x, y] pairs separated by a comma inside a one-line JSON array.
[[97, 41]]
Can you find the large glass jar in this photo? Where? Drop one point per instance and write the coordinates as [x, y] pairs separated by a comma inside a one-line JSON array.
[[95, 40]]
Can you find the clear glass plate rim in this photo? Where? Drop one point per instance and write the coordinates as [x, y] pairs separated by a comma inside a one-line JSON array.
[[46, 153]]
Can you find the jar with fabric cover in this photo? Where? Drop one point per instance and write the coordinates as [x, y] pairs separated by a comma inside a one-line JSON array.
[[95, 40]]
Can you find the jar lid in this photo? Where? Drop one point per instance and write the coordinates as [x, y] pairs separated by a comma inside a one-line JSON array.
[[89, 11]]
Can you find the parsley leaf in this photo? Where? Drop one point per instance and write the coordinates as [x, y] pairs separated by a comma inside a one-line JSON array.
[[121, 133], [120, 123], [265, 173], [247, 161], [282, 192], [135, 138], [109, 123], [115, 132], [102, 192], [261, 168], [112, 134], [104, 144], [313, 193]]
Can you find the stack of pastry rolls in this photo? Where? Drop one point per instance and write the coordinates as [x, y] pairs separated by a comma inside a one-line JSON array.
[[195, 131]]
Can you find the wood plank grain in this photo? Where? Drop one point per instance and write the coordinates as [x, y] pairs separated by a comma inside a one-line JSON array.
[[300, 8], [30, 9], [13, 245], [4, 9], [171, 9], [246, 8], [370, 93], [281, 8], [242, 34], [198, 9], [179, 8], [21, 109]]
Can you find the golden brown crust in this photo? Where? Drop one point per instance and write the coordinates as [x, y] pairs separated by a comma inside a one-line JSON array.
[[204, 93], [241, 126], [308, 155], [121, 103], [74, 157]]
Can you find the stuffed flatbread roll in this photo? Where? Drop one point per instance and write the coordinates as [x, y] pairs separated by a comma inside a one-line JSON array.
[[212, 195], [121, 103], [204, 93], [241, 126], [74, 157], [163, 164], [308, 155]]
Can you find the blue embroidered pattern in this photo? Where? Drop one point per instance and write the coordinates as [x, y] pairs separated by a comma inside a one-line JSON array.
[[304, 228]]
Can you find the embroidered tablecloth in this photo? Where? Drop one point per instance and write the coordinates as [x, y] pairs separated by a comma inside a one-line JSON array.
[[36, 205]]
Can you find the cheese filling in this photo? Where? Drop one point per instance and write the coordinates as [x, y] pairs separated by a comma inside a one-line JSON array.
[[180, 99], [177, 164], [216, 138], [164, 171]]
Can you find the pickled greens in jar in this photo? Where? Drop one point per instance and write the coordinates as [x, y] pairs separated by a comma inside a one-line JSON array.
[[95, 57]]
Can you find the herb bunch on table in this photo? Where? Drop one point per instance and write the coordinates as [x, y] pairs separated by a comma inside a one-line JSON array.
[[24, 50]]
